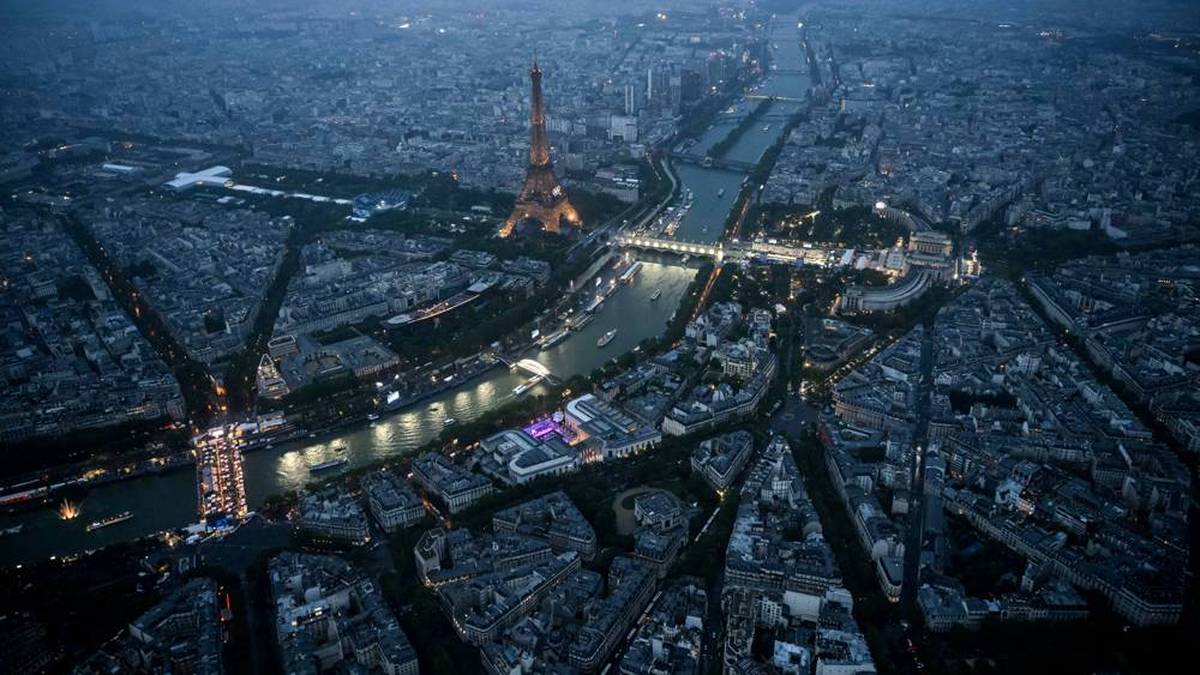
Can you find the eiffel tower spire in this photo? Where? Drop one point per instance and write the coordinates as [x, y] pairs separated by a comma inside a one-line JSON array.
[[539, 143], [542, 197]]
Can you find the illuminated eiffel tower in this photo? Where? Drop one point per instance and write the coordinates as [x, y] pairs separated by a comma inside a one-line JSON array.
[[542, 197]]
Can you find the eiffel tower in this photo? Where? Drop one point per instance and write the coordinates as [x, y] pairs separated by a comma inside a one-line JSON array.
[[542, 197]]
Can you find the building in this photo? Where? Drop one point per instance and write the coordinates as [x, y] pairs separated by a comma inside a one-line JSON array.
[[614, 433], [719, 460], [864, 300], [931, 243], [503, 598], [828, 343], [183, 633], [671, 641], [392, 501], [554, 518], [329, 617], [215, 176], [631, 585], [658, 510], [705, 407], [776, 545], [515, 457], [282, 345], [334, 515], [270, 382], [27, 648], [366, 205], [451, 484], [842, 652], [542, 197]]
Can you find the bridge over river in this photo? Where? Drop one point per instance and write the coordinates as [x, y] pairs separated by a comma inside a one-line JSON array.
[[732, 251], [712, 162]]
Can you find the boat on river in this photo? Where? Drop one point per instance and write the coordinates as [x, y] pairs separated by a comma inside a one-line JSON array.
[[555, 338], [110, 520], [606, 338], [328, 464]]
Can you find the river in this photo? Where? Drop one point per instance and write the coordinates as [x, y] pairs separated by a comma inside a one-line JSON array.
[[167, 501], [714, 191]]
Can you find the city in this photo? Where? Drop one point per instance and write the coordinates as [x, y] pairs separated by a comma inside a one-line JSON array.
[[513, 336]]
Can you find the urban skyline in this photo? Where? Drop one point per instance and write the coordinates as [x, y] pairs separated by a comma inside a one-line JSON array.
[[518, 336]]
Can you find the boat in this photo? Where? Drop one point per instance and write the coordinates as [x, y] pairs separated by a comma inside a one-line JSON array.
[[628, 275], [721, 192], [555, 338], [656, 294], [15, 529], [606, 338], [111, 520], [449, 422], [523, 387], [578, 324], [372, 417], [328, 464], [685, 258], [675, 215], [595, 305], [392, 401]]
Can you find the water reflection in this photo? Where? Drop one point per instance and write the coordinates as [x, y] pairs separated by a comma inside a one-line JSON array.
[[629, 310]]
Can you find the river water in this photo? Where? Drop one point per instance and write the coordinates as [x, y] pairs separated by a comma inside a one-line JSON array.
[[167, 501], [714, 191]]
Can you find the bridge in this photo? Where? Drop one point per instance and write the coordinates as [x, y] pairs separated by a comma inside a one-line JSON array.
[[731, 252], [715, 251], [789, 99], [778, 113], [537, 371], [714, 162], [533, 367]]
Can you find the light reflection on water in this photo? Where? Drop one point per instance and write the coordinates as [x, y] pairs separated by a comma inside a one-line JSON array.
[[629, 310], [168, 500]]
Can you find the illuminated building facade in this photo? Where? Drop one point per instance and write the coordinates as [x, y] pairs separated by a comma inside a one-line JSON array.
[[220, 485], [270, 381], [542, 197]]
